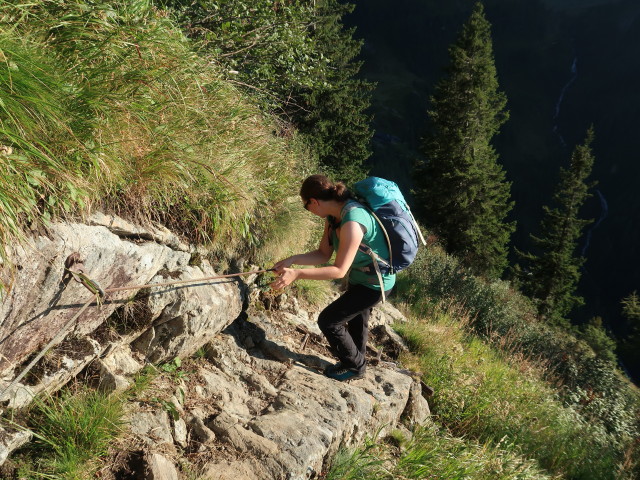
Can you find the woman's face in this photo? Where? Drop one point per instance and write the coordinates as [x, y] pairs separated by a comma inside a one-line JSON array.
[[314, 206]]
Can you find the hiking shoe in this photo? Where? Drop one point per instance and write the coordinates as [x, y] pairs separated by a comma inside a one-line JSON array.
[[345, 374], [334, 368]]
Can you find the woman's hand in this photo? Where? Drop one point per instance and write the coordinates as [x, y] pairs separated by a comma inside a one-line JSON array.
[[286, 276], [282, 264]]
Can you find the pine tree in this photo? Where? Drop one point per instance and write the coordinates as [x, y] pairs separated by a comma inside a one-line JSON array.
[[630, 346], [552, 277], [335, 121], [461, 189], [631, 309]]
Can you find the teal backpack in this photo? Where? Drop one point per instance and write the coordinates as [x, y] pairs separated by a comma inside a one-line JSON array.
[[388, 206]]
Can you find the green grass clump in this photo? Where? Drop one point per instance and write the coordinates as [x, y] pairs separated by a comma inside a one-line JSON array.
[[482, 395], [432, 453], [71, 432]]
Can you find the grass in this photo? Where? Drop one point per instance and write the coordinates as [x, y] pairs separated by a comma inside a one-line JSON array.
[[480, 394], [432, 453], [106, 106], [71, 433], [493, 417], [503, 379], [505, 319]]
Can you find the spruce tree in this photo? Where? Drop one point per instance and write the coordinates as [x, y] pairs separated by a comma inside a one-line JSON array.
[[461, 189], [630, 346], [335, 120], [552, 277]]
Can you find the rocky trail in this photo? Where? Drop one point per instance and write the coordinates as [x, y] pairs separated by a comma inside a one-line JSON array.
[[238, 391]]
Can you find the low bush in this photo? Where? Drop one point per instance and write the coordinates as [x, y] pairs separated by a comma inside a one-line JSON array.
[[506, 319]]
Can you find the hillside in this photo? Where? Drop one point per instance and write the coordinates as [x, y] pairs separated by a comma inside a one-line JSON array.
[[563, 65], [128, 147]]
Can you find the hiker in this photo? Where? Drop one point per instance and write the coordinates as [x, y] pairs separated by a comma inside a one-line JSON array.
[[347, 225]]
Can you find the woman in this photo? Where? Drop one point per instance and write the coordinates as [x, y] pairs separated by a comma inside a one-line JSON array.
[[347, 225]]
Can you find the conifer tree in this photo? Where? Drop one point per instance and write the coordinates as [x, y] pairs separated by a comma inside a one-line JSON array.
[[461, 189], [335, 121], [552, 276]]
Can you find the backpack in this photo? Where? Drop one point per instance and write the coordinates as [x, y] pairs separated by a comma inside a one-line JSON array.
[[386, 203]]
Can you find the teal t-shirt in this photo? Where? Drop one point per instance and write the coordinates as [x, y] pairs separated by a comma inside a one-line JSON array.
[[373, 238]]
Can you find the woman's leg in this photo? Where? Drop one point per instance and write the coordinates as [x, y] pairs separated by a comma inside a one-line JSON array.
[[345, 325]]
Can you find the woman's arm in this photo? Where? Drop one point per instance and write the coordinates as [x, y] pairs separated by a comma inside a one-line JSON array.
[[350, 239]]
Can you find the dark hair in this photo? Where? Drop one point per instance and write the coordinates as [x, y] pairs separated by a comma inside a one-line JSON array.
[[321, 188]]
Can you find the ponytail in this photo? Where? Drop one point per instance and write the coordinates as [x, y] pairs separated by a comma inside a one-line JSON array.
[[321, 188]]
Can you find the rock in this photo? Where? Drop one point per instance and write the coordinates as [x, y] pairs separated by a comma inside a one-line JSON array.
[[180, 432], [257, 405], [126, 229], [11, 441], [390, 342], [417, 410], [38, 304], [114, 369], [160, 468], [237, 470], [110, 382], [153, 428], [313, 415], [227, 391], [243, 440], [121, 361], [201, 432], [186, 318], [20, 396], [386, 314]]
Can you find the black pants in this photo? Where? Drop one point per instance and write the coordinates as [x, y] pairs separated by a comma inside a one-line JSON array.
[[345, 323]]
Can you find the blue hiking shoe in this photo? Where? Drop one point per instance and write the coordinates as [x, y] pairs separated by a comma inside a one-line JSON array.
[[345, 374]]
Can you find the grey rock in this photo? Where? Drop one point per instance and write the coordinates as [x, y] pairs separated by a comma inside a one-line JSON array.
[[200, 431], [160, 468], [38, 305], [126, 229], [417, 411], [153, 428], [12, 440], [180, 432], [184, 318]]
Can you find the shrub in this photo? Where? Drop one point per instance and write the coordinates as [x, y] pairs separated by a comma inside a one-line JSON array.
[[506, 319]]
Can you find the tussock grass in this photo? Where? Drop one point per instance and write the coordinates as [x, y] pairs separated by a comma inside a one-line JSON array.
[[71, 433], [432, 453], [106, 105]]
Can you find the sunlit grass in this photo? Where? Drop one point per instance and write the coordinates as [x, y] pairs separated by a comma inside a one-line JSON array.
[[483, 395], [72, 431], [106, 105], [432, 453]]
